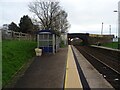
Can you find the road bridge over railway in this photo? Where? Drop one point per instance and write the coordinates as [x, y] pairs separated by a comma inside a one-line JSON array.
[[83, 36], [87, 38]]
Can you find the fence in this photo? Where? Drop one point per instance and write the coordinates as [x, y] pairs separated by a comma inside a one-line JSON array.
[[9, 34]]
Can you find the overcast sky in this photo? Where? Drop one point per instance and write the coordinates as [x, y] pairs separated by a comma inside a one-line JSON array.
[[85, 16]]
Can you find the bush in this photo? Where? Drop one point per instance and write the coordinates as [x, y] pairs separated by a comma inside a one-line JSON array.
[[62, 45]]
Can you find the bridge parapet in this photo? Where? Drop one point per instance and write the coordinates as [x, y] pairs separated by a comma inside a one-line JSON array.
[[96, 38]]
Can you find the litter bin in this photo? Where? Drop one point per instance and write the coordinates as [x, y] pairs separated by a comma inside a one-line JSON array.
[[38, 51]]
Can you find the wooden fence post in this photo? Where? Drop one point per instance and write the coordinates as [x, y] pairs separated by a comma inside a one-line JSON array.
[[19, 35]]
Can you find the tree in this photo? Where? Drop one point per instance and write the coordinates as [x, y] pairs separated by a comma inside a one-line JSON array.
[[50, 15], [63, 22], [13, 27], [36, 26], [26, 25]]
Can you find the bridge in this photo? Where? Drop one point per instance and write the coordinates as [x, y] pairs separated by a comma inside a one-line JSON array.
[[83, 36], [87, 38]]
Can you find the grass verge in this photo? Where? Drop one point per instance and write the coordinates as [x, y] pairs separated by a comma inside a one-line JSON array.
[[0, 65], [14, 55], [113, 45]]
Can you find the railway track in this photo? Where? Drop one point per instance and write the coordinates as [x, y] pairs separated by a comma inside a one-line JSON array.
[[106, 63]]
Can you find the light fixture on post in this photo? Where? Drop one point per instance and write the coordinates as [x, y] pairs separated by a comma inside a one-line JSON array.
[[118, 11]]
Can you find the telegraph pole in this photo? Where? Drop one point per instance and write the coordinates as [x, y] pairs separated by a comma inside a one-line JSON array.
[[102, 29], [110, 29]]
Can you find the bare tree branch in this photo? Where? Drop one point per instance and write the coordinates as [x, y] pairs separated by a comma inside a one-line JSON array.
[[50, 14]]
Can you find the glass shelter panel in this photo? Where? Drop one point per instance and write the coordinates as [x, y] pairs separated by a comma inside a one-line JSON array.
[[45, 40], [41, 37], [46, 36], [50, 43], [50, 37]]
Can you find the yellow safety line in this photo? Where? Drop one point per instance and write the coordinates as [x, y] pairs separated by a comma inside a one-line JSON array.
[[69, 68], [66, 75]]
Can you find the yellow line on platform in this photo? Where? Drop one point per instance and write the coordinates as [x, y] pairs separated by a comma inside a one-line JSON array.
[[72, 79]]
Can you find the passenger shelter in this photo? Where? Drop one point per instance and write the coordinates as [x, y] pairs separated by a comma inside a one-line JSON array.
[[48, 41]]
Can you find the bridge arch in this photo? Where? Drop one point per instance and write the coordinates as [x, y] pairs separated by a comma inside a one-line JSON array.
[[83, 36]]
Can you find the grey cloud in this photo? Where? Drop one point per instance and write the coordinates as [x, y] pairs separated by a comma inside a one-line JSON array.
[[83, 15]]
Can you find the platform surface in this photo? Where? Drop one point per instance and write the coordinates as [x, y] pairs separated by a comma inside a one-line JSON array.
[[60, 71], [46, 71], [93, 77]]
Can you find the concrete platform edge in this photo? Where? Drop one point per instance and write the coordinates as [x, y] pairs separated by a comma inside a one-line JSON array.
[[72, 79], [89, 74]]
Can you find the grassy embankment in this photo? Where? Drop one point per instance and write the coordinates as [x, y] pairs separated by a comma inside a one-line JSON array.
[[0, 64], [113, 45], [14, 55]]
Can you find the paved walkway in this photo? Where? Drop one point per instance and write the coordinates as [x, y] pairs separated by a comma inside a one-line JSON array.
[[47, 71]]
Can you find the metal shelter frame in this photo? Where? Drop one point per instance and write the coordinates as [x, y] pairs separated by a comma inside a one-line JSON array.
[[48, 41]]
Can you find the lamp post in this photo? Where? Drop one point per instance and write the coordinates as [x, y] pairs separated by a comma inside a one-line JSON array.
[[118, 11]]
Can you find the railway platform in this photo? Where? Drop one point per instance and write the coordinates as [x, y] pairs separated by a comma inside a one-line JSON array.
[[92, 76], [46, 71], [106, 48], [62, 70]]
